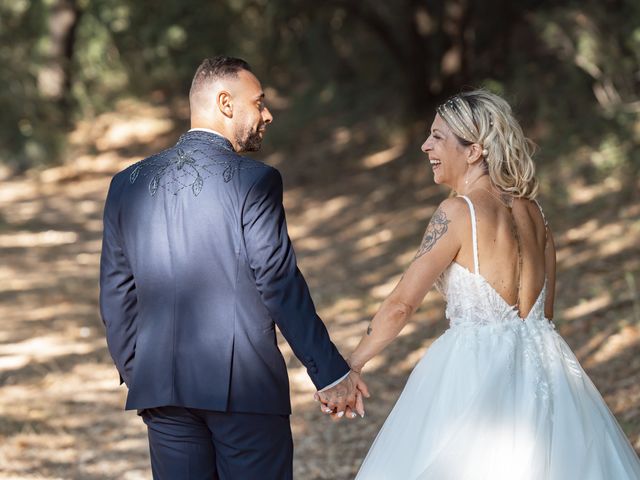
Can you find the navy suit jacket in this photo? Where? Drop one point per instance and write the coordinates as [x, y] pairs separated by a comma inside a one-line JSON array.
[[196, 268]]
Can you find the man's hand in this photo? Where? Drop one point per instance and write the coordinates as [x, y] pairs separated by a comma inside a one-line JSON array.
[[345, 398]]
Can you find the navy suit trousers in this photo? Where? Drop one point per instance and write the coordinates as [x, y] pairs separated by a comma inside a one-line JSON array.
[[193, 444]]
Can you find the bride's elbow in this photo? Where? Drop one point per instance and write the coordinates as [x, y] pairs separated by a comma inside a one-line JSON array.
[[399, 313]]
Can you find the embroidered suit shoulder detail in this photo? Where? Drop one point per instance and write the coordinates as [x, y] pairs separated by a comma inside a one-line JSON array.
[[187, 167]]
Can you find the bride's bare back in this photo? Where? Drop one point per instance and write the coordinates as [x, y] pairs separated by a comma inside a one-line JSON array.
[[516, 255], [515, 249]]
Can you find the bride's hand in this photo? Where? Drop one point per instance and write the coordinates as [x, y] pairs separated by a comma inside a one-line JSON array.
[[362, 392]]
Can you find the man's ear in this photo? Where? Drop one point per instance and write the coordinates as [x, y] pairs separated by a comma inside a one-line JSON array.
[[224, 103], [474, 153]]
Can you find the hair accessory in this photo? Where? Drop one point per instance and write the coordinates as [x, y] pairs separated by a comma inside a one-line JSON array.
[[451, 112], [485, 152]]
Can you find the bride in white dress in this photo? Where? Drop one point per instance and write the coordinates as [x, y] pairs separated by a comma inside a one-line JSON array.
[[499, 396]]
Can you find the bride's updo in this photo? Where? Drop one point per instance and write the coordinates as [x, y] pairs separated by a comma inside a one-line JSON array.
[[485, 118]]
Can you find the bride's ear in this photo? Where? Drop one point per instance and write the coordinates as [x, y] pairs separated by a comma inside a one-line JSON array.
[[474, 153]]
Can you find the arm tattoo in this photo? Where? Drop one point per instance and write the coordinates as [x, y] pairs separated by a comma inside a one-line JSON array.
[[435, 230], [369, 330]]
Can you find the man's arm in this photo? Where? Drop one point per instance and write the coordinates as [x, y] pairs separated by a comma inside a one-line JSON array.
[[280, 283], [118, 300]]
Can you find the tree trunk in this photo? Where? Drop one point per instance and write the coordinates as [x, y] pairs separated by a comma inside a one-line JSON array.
[[55, 77]]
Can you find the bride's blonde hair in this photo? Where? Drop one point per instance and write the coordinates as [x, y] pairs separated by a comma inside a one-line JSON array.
[[485, 118]]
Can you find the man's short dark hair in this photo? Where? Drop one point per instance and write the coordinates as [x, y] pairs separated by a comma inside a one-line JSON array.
[[213, 68]]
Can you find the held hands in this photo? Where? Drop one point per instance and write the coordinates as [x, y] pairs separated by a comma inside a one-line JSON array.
[[345, 398]]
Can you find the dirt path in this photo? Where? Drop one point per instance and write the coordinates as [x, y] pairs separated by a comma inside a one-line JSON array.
[[355, 225]]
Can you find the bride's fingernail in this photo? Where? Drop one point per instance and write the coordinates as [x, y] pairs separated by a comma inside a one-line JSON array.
[[353, 414], [340, 414]]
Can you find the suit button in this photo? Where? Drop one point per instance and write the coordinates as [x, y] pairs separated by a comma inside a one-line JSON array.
[[308, 358], [313, 369]]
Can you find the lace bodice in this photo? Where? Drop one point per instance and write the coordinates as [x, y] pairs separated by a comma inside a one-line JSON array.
[[471, 300]]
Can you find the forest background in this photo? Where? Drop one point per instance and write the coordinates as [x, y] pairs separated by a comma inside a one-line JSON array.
[[91, 86]]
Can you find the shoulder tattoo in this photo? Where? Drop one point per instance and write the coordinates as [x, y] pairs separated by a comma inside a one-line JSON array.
[[437, 227]]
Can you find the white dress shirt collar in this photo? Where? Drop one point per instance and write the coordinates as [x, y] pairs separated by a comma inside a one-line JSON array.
[[207, 130]]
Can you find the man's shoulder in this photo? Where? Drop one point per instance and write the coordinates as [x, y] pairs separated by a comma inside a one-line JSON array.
[[256, 169], [235, 169], [128, 170], [118, 180]]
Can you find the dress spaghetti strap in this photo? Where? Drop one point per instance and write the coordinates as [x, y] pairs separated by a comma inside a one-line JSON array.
[[474, 235], [544, 219], [546, 224]]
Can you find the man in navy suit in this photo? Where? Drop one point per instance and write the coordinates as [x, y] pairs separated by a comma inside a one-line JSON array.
[[196, 269]]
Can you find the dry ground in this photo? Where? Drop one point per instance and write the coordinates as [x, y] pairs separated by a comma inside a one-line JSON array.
[[355, 224]]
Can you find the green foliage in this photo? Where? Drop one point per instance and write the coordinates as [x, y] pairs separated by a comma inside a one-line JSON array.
[[570, 68], [21, 102], [590, 87]]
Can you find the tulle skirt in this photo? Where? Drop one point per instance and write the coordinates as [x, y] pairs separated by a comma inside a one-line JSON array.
[[500, 402]]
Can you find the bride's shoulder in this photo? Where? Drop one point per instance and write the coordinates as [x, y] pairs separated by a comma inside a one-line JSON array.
[[454, 208], [452, 212]]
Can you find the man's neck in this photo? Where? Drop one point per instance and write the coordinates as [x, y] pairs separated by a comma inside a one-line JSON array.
[[213, 127]]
